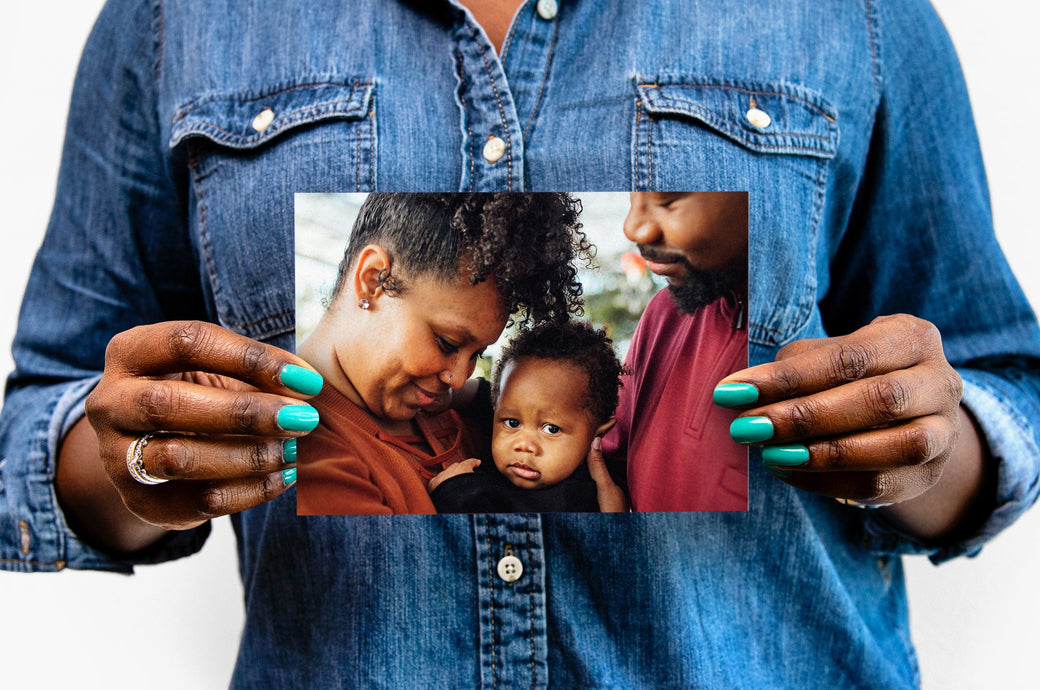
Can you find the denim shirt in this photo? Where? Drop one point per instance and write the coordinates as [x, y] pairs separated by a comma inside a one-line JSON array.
[[867, 196]]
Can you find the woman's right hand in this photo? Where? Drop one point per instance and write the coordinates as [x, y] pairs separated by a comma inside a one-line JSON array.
[[225, 411]]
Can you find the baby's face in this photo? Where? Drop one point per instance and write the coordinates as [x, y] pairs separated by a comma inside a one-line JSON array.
[[542, 430]]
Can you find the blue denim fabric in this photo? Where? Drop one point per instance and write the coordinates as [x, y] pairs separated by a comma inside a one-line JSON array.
[[867, 196]]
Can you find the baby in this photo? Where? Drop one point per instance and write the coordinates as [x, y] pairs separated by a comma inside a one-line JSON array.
[[554, 390]]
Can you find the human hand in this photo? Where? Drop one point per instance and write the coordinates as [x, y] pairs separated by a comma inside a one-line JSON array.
[[461, 467], [872, 416], [225, 411], [611, 498]]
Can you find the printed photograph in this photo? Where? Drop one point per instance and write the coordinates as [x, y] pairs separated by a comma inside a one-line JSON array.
[[505, 352]]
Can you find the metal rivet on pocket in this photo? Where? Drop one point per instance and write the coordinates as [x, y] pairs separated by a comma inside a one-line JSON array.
[[26, 540], [758, 118], [547, 9], [493, 149], [263, 120]]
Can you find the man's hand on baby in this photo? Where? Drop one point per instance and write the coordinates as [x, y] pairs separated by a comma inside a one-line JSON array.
[[461, 467], [210, 416], [611, 498], [872, 416]]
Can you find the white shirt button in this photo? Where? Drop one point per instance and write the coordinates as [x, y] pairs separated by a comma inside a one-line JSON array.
[[493, 149], [510, 568], [263, 120], [758, 118], [547, 9]]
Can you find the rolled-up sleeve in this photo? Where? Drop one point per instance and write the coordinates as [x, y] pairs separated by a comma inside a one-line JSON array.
[[116, 254], [1000, 406], [924, 245]]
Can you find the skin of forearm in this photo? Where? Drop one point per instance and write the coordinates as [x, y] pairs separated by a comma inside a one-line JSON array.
[[91, 505], [960, 501]]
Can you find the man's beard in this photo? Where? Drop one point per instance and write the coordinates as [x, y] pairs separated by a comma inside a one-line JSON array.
[[701, 288]]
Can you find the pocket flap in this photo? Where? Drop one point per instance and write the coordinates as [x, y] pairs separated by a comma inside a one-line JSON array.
[[250, 119], [768, 118]]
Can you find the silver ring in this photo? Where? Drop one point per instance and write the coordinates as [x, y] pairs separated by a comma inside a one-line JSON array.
[[861, 506], [135, 465]]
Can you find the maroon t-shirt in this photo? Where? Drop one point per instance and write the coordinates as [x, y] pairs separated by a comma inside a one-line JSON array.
[[676, 441]]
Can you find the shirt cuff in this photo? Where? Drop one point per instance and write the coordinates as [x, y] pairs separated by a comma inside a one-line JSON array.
[[1008, 434], [34, 535]]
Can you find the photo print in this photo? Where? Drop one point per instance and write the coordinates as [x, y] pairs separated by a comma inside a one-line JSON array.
[[507, 352]]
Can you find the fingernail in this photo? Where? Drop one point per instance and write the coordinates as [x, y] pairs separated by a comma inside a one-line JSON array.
[[302, 379], [785, 456], [734, 394], [289, 476], [298, 418], [597, 443], [751, 429], [776, 471], [289, 451]]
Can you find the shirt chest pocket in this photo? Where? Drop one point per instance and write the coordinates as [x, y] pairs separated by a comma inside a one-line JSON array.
[[247, 154], [775, 141]]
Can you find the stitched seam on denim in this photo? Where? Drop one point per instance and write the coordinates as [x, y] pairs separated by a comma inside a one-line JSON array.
[[723, 127], [59, 564], [530, 598], [157, 28], [357, 159], [248, 97], [200, 194], [724, 124], [372, 146], [875, 63], [491, 601], [465, 115], [505, 121], [299, 115], [637, 148], [272, 317], [509, 38], [803, 313], [545, 76], [649, 152], [781, 94], [635, 144]]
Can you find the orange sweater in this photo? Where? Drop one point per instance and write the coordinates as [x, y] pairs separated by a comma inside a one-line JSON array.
[[349, 466]]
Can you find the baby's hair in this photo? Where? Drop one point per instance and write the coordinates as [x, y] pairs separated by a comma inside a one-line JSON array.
[[576, 343]]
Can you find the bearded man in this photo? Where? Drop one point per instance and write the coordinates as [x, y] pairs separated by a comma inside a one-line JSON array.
[[677, 445]]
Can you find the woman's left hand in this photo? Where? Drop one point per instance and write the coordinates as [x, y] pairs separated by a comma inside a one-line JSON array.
[[872, 416]]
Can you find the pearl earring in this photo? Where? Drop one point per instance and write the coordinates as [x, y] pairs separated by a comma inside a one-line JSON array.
[[365, 304]]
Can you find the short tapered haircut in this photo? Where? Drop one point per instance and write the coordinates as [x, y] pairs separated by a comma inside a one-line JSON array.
[[571, 342]]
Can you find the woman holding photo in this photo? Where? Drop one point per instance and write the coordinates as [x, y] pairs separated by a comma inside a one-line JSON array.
[[848, 123]]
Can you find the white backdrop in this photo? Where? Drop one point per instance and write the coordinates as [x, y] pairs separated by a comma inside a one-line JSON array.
[[177, 625]]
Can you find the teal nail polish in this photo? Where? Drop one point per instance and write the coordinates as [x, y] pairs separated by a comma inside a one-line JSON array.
[[289, 451], [289, 476], [298, 418], [777, 472], [785, 456], [734, 394], [302, 379], [751, 429]]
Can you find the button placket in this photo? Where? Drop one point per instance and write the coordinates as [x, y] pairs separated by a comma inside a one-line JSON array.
[[493, 143], [512, 608]]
